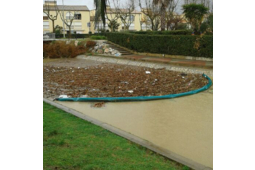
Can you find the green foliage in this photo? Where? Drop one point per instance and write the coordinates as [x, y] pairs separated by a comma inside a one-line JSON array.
[[210, 22], [207, 26], [113, 25], [195, 14], [187, 45], [73, 35], [181, 26], [97, 37], [185, 168], [100, 10], [175, 32], [58, 29], [74, 143], [203, 27]]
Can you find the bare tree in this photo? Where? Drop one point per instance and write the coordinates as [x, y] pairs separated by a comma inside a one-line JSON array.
[[163, 5], [191, 1], [113, 20], [171, 17], [66, 18], [125, 12], [206, 3], [48, 10], [152, 11]]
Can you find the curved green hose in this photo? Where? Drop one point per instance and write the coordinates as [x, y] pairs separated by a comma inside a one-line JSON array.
[[139, 98]]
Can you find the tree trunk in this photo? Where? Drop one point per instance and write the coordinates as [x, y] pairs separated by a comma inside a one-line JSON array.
[[163, 18], [53, 25], [152, 25], [69, 35]]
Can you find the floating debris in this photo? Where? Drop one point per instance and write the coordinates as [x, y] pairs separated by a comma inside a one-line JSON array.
[[98, 105], [112, 80], [63, 96], [130, 91]]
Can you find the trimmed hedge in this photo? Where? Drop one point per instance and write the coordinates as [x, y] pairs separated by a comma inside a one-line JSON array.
[[175, 32], [98, 37], [73, 35], [187, 45]]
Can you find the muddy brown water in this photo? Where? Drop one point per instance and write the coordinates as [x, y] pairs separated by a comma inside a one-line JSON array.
[[181, 125]]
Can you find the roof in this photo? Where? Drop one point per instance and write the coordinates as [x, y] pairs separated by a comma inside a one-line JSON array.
[[68, 8], [112, 11]]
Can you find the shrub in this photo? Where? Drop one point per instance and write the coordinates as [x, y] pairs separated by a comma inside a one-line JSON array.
[[59, 49], [97, 37], [182, 26], [90, 44], [187, 45], [195, 13]]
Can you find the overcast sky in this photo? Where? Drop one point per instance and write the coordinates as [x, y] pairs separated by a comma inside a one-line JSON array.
[[90, 3]]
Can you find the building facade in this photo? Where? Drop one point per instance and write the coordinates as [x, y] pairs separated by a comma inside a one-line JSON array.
[[83, 19], [78, 15], [133, 21]]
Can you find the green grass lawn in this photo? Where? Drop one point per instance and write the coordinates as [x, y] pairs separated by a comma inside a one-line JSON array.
[[74, 144]]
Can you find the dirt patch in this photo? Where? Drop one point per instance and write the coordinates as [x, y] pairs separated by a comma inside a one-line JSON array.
[[111, 80]]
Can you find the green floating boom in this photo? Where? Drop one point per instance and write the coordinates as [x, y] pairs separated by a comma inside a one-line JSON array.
[[139, 98]]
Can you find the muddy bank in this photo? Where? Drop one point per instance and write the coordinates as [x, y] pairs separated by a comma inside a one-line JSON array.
[[81, 79]]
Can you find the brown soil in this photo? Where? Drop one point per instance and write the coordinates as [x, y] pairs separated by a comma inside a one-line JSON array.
[[111, 80]]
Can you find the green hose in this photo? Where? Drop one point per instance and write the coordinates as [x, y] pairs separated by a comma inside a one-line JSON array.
[[139, 98]]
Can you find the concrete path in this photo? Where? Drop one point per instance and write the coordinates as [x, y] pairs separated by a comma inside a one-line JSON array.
[[175, 61], [156, 65]]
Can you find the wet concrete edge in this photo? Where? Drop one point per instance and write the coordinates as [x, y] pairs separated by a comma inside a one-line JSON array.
[[132, 138]]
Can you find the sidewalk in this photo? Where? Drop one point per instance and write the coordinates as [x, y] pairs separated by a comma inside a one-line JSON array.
[[175, 61], [172, 59]]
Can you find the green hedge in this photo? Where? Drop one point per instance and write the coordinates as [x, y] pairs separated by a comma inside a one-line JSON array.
[[73, 35], [97, 37], [175, 32], [187, 45]]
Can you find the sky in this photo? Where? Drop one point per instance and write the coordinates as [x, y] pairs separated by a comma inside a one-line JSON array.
[[90, 3]]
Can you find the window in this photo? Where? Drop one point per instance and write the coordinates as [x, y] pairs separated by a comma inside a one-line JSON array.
[[132, 27], [69, 16], [45, 17], [46, 25], [77, 16], [131, 18], [77, 25], [144, 26]]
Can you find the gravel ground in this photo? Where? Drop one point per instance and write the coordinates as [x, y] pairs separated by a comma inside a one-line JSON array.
[[85, 78]]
